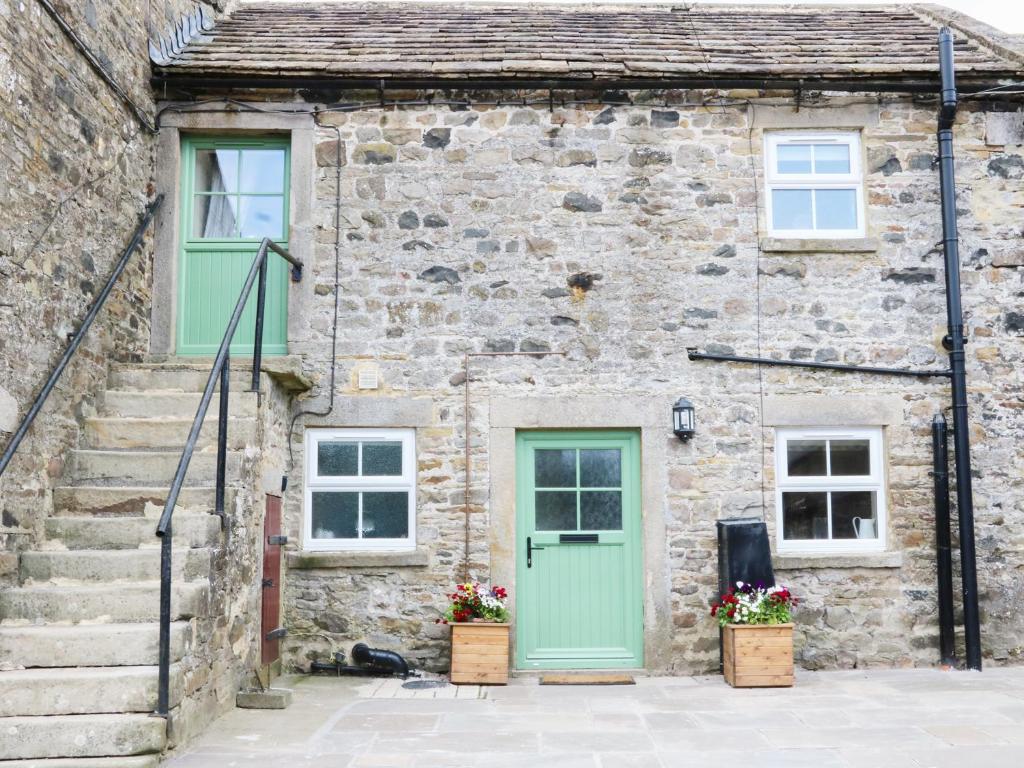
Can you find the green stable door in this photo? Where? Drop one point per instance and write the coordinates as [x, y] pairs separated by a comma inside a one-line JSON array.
[[579, 578], [234, 193]]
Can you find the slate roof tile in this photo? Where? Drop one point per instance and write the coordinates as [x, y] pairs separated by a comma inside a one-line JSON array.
[[502, 42]]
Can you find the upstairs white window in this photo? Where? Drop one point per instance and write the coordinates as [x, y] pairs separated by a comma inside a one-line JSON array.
[[815, 185], [360, 489], [831, 491]]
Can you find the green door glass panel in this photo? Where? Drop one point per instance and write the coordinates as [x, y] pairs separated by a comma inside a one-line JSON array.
[[234, 193], [579, 589]]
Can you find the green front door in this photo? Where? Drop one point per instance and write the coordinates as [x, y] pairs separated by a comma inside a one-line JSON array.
[[234, 193], [579, 582]]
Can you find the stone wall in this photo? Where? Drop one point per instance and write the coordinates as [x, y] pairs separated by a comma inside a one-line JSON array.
[[225, 648], [75, 174], [622, 235]]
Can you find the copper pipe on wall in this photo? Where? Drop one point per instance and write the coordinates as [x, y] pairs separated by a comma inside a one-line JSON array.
[[465, 373]]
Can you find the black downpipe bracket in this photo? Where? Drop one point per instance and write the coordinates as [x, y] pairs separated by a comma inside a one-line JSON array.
[[954, 342], [943, 540]]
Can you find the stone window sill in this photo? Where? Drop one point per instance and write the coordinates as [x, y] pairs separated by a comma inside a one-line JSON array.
[[312, 560], [838, 561], [854, 245]]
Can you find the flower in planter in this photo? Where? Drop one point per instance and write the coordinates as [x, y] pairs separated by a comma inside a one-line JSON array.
[[754, 604], [473, 600]]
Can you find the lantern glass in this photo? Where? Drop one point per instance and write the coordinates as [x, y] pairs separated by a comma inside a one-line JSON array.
[[683, 421]]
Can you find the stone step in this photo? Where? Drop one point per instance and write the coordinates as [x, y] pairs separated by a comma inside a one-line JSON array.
[[107, 645], [173, 405], [121, 501], [125, 432], [174, 377], [197, 529], [100, 603], [144, 468], [135, 761], [84, 690], [67, 736], [105, 565]]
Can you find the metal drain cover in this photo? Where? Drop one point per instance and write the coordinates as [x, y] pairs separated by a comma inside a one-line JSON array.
[[419, 685]]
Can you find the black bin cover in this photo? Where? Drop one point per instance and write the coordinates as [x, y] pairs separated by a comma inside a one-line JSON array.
[[743, 553]]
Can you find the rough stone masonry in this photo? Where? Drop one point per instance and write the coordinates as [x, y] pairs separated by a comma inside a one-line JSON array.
[[623, 235]]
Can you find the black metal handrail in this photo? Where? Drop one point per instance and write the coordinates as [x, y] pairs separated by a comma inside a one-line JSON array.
[[76, 340], [221, 370]]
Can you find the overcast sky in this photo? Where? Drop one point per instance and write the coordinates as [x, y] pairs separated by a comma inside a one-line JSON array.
[[1007, 15]]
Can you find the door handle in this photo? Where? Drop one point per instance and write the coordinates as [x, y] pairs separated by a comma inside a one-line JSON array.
[[529, 552]]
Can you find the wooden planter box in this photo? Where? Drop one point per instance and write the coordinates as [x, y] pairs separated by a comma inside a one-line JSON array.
[[480, 653], [758, 656]]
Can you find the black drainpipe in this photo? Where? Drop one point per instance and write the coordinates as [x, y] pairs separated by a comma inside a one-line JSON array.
[[943, 545], [954, 342]]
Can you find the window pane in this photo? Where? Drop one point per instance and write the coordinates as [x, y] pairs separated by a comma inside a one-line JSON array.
[[335, 515], [556, 510], [214, 216], [263, 170], [791, 208], [382, 459], [831, 158], [806, 458], [850, 457], [854, 511], [261, 217], [600, 468], [337, 459], [601, 510], [804, 515], [554, 468], [794, 158], [386, 515], [836, 208], [216, 170]]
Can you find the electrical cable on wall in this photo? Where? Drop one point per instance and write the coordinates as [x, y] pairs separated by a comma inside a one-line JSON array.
[[138, 112], [337, 290], [751, 111]]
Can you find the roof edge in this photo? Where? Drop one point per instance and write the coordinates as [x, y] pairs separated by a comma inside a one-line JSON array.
[[1010, 47]]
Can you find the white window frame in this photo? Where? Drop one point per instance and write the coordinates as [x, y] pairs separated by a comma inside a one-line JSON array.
[[315, 482], [853, 180], [873, 482]]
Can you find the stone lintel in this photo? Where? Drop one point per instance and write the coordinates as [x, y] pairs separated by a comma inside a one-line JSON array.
[[377, 411], [832, 411], [579, 412]]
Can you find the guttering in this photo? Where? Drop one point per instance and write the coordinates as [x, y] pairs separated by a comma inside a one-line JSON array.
[[954, 343], [693, 354], [220, 82]]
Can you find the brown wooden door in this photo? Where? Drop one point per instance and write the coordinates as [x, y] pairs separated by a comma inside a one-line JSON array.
[[270, 625]]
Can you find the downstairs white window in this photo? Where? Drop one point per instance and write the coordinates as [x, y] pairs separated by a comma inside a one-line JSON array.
[[360, 489], [830, 493], [815, 185]]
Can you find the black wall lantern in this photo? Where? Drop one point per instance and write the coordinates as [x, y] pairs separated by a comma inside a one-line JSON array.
[[682, 419]]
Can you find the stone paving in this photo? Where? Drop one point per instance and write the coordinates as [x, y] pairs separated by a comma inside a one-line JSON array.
[[848, 719]]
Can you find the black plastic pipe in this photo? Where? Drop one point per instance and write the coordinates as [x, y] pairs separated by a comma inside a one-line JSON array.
[[79, 335], [954, 342], [168, 78], [943, 540], [385, 661], [693, 354]]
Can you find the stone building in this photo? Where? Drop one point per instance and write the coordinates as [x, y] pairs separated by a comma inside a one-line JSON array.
[[513, 222]]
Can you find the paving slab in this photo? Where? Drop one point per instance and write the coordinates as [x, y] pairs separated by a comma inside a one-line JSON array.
[[917, 718]]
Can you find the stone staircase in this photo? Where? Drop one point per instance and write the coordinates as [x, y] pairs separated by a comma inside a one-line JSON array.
[[78, 637]]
